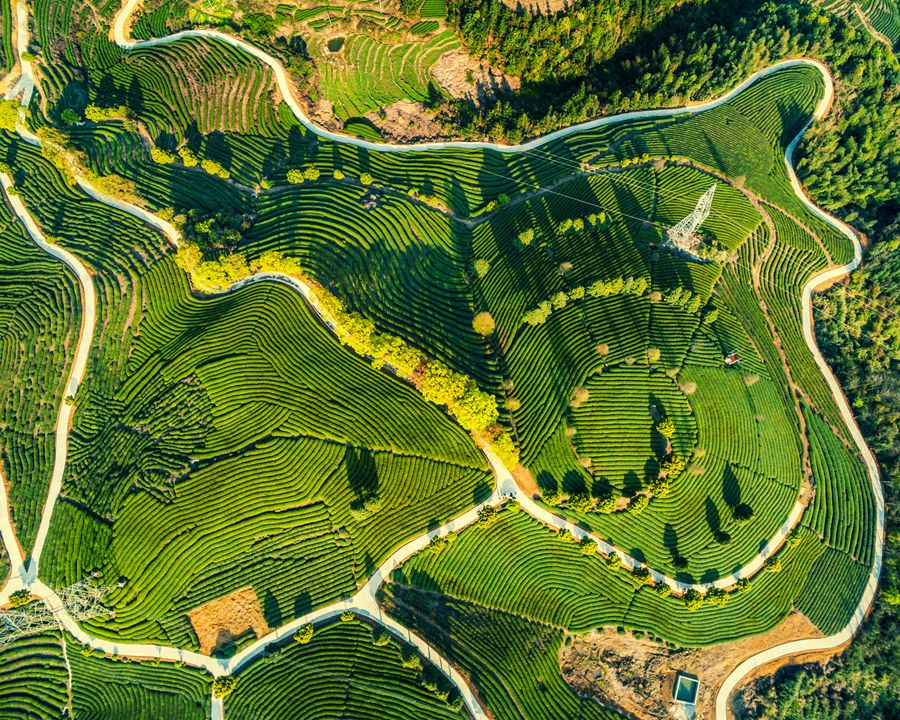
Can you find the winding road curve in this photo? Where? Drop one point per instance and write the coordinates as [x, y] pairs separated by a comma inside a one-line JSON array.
[[364, 601]]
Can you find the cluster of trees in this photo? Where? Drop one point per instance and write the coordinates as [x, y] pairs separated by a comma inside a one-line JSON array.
[[600, 219], [694, 599], [473, 408], [439, 543], [189, 159], [217, 275], [599, 288], [295, 176], [223, 686], [219, 231], [304, 634]]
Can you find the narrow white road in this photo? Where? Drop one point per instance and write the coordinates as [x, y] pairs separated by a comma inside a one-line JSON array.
[[364, 600], [86, 333], [797, 647], [121, 37]]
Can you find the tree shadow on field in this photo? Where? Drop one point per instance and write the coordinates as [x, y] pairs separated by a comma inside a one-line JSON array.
[[362, 475], [601, 486], [274, 160], [108, 93], [458, 199], [631, 484], [18, 173], [271, 610], [731, 489], [574, 483], [670, 540], [713, 519], [481, 492], [216, 148], [74, 95], [296, 144], [717, 160], [792, 118], [193, 138], [166, 141], [136, 95], [651, 467], [546, 482], [302, 604]]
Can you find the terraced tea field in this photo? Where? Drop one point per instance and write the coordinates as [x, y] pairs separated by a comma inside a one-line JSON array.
[[365, 56], [293, 329], [348, 669]]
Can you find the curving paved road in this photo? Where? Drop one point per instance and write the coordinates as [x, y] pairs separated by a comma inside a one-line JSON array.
[[364, 601], [88, 321], [797, 647], [122, 39]]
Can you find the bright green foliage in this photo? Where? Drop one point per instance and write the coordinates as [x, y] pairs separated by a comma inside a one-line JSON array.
[[666, 428], [638, 504], [515, 565], [98, 114], [223, 686], [163, 396], [483, 323], [476, 410], [214, 168], [304, 635], [441, 385], [506, 450], [188, 157], [349, 482], [693, 599], [371, 74], [161, 156], [515, 658], [9, 114], [19, 598]]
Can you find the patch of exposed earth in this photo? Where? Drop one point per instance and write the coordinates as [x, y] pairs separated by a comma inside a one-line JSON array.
[[538, 7], [226, 619], [638, 674], [406, 121], [465, 78]]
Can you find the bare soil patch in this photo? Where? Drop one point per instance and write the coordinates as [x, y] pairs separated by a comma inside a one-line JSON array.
[[537, 7], [406, 121], [224, 620], [525, 480], [461, 76], [638, 674]]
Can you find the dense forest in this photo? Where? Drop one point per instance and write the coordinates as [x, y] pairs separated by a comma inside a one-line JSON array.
[[692, 51], [858, 329]]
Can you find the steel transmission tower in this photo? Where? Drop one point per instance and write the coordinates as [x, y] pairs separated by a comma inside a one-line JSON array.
[[683, 235], [82, 601]]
